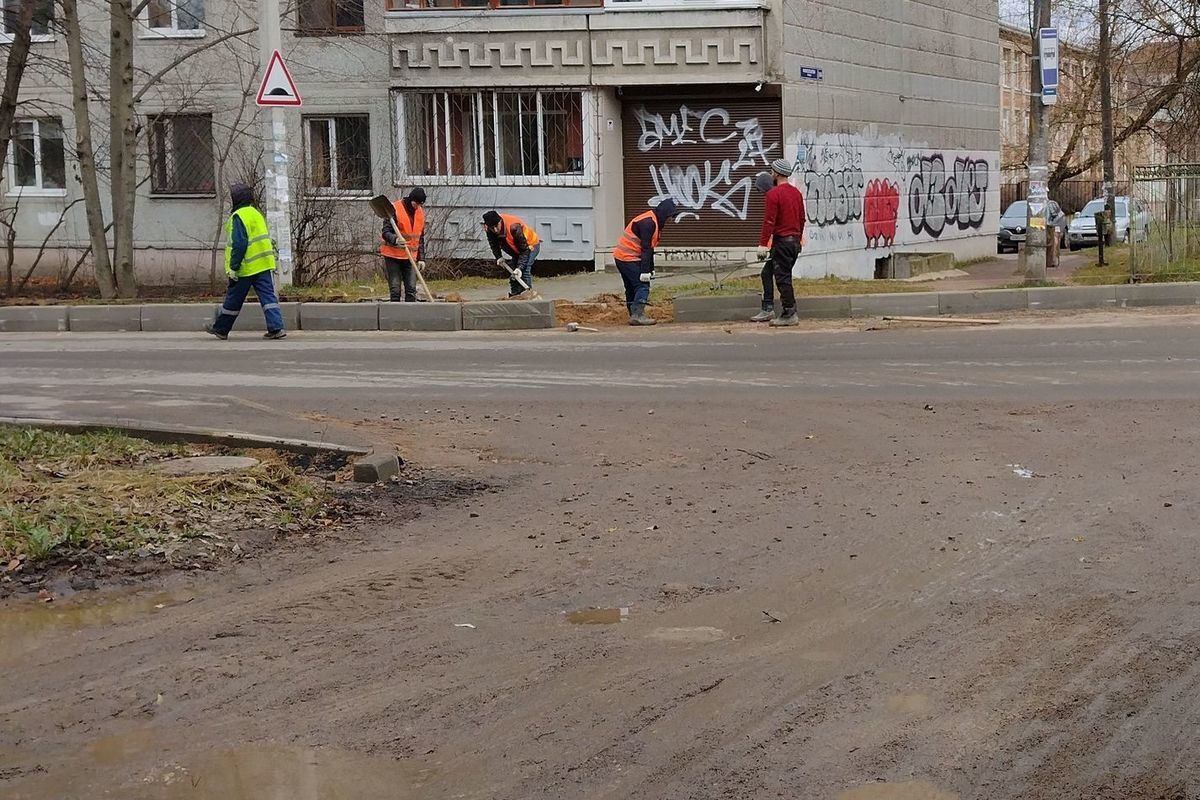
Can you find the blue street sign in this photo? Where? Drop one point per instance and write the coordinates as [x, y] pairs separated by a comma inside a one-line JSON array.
[[1048, 55], [812, 73]]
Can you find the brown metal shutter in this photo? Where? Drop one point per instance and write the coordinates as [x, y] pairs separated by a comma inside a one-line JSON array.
[[704, 154]]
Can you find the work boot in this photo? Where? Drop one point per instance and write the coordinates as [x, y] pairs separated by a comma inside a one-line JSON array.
[[786, 320], [766, 315], [210, 329], [280, 334], [637, 316]]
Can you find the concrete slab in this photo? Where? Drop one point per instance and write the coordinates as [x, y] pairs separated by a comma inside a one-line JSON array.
[[420, 317], [376, 467], [913, 304], [732, 308], [161, 317], [204, 465], [17, 319], [830, 307], [1137, 295], [339, 316], [88, 319], [508, 315], [252, 318], [1061, 298], [983, 301]]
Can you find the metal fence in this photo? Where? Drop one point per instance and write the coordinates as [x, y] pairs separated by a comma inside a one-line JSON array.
[[1071, 195], [1167, 246]]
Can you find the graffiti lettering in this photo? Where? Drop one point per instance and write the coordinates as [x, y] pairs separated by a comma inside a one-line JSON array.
[[693, 190], [937, 199], [880, 207], [833, 197], [712, 126], [691, 254]]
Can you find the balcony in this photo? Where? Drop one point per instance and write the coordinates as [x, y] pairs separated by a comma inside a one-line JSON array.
[[506, 43]]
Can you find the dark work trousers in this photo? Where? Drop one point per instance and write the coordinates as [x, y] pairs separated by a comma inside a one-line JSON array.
[[637, 291], [778, 271], [264, 288], [401, 270], [524, 264]]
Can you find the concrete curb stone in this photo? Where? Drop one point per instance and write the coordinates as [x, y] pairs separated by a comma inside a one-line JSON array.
[[727, 308], [420, 317], [1063, 298], [1139, 295], [899, 304], [168, 317], [106, 319], [987, 300], [339, 316], [33, 319], [507, 315]]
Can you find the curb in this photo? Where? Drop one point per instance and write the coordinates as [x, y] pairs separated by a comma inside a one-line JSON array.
[[502, 315], [736, 308], [163, 433]]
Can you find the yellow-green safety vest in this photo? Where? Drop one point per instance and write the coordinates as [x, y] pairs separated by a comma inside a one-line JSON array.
[[260, 255]]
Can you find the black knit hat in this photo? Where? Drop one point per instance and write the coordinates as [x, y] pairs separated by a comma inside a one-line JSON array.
[[417, 195], [491, 219]]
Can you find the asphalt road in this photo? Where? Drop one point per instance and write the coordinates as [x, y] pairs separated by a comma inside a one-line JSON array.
[[920, 563]]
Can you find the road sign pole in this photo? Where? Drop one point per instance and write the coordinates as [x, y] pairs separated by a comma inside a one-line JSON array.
[[276, 173], [1044, 85]]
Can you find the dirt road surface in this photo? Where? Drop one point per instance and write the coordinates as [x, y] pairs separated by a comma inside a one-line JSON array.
[[908, 564]]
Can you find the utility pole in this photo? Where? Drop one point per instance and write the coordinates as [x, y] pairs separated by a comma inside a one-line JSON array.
[[1106, 118], [1039, 169], [279, 220]]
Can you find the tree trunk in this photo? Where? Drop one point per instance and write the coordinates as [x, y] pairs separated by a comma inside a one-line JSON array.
[[85, 154], [18, 57], [123, 133], [1104, 56]]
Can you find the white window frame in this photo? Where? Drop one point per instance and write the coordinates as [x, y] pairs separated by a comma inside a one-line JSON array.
[[173, 32], [488, 98], [10, 173], [6, 37], [331, 121]]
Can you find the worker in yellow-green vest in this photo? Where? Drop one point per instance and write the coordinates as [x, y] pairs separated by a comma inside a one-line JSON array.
[[249, 262]]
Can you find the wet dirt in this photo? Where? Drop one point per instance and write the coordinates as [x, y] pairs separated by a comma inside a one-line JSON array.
[[941, 635]]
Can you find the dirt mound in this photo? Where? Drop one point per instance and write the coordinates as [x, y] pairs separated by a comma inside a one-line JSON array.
[[604, 309]]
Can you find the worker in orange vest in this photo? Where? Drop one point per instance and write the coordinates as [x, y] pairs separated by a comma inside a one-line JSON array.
[[410, 220], [634, 255], [518, 242]]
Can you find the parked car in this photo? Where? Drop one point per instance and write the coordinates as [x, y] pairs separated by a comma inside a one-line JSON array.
[[1082, 230], [1014, 219]]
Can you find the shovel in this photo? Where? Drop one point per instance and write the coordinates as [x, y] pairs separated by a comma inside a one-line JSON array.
[[384, 209]]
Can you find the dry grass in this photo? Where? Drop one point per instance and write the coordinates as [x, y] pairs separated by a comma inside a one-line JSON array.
[[63, 493]]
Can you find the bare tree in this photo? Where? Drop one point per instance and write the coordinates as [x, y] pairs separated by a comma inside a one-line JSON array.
[[18, 59]]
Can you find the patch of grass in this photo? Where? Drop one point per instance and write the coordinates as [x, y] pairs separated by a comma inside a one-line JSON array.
[[62, 493], [806, 287]]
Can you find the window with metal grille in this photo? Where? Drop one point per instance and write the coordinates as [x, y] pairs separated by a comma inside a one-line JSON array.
[[39, 28], [174, 17], [181, 154], [37, 157], [418, 5], [339, 153], [331, 16], [525, 137]]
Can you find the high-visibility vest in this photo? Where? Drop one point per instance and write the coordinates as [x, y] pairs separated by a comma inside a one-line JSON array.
[[509, 222], [260, 253], [411, 229], [630, 246]]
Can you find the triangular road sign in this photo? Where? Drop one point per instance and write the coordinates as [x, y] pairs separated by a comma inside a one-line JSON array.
[[278, 88]]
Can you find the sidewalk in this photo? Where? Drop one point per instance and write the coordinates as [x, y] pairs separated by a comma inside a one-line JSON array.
[[581, 287]]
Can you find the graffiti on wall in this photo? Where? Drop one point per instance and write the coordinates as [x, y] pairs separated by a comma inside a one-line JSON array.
[[723, 186], [866, 194]]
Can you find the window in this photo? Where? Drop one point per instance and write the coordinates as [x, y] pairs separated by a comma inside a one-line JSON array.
[[331, 16], [37, 158], [508, 136], [401, 5], [1006, 125], [39, 28], [339, 153], [181, 154], [174, 17]]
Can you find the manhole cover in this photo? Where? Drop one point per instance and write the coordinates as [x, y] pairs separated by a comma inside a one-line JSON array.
[[205, 465]]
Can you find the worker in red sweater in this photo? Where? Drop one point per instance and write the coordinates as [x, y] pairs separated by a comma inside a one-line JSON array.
[[779, 245]]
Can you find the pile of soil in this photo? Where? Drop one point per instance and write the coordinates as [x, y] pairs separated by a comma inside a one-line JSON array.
[[604, 309]]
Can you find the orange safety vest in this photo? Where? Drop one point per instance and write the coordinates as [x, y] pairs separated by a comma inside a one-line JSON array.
[[531, 237], [410, 231], [630, 246]]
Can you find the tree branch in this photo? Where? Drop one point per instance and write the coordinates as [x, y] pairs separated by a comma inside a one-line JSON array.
[[156, 77]]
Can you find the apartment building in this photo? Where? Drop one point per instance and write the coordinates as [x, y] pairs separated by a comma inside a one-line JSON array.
[[574, 114]]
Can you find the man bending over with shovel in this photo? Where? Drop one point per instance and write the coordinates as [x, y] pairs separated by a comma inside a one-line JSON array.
[[403, 243], [634, 255], [519, 243]]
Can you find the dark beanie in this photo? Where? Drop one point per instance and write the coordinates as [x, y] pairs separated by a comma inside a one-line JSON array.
[[417, 195], [491, 218]]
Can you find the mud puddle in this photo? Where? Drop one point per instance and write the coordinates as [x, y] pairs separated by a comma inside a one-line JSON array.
[[598, 616], [23, 623]]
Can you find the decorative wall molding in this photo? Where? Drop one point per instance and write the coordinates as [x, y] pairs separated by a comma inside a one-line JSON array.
[[488, 54], [677, 50]]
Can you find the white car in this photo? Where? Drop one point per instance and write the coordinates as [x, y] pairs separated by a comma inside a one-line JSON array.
[[1082, 230]]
